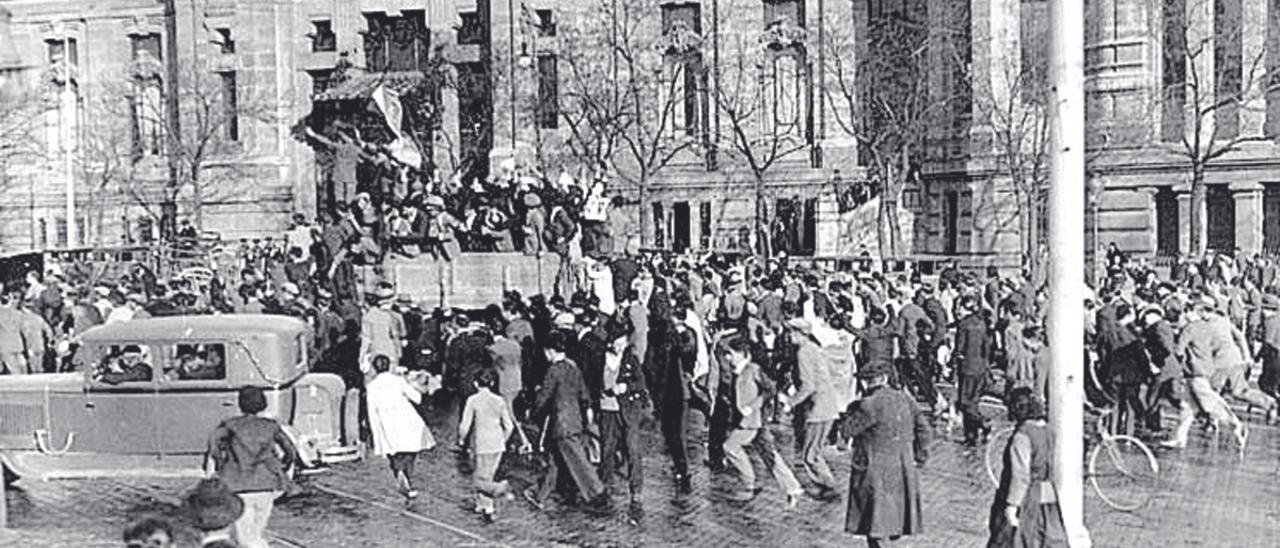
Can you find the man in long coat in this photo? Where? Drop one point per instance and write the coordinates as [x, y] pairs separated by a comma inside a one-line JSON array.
[[891, 436], [973, 351]]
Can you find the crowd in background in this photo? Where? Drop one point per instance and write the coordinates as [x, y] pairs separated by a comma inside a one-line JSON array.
[[714, 349]]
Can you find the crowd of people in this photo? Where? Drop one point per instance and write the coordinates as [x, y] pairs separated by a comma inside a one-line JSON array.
[[718, 351]]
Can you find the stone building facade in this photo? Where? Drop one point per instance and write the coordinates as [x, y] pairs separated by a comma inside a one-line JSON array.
[[1139, 112], [268, 59]]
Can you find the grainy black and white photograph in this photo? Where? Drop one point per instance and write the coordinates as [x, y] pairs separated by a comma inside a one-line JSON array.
[[640, 273]]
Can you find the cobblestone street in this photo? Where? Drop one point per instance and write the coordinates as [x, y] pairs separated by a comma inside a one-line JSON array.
[[1208, 498]]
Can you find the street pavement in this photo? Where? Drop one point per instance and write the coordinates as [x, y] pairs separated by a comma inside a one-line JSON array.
[[1208, 497]]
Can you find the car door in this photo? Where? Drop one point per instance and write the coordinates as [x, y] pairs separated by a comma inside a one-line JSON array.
[[121, 413], [193, 399]]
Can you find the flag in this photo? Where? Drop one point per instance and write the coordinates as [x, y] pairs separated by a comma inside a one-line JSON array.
[[402, 148]]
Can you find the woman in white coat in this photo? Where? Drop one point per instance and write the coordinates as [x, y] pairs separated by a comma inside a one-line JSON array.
[[399, 432]]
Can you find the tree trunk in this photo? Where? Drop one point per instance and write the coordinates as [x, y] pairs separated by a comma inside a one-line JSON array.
[[197, 204], [888, 233], [763, 234], [644, 209], [1198, 212]]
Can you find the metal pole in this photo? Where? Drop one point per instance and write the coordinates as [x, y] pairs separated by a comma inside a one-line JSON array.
[[1066, 256]]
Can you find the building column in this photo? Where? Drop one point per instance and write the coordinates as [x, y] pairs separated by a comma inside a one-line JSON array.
[[1249, 216], [1153, 224], [1184, 218]]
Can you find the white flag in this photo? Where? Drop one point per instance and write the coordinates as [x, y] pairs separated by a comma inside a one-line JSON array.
[[402, 148]]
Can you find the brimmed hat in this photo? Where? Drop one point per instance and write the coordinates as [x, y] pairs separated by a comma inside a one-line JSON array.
[[212, 506], [384, 294], [1271, 302], [532, 200], [434, 201]]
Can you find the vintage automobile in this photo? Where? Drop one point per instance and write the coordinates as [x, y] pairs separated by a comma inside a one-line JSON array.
[[150, 391]]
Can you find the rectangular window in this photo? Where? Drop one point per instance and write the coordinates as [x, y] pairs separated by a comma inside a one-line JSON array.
[[230, 106], [320, 80], [146, 44], [225, 41], [784, 12], [64, 49], [704, 225], [396, 43], [546, 22], [1228, 65], [1220, 210], [687, 16], [787, 92], [195, 362], [322, 36], [471, 31], [548, 92]]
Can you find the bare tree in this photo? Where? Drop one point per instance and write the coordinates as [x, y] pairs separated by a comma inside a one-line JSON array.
[[758, 97], [881, 97], [1219, 80], [626, 78], [209, 145]]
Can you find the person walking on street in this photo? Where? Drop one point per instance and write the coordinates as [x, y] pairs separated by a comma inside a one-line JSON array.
[[751, 388], [562, 401], [973, 351], [1025, 511], [399, 432], [1198, 344], [816, 399], [487, 421], [890, 440], [245, 452], [621, 407]]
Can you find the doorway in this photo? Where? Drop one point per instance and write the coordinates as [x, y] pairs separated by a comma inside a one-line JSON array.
[[680, 240]]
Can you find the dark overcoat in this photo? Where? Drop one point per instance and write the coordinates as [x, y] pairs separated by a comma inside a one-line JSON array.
[[890, 439]]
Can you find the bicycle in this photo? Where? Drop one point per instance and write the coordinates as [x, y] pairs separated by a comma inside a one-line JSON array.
[[1121, 469]]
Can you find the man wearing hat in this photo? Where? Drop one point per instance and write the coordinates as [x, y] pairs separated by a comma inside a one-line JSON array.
[[889, 434], [535, 223], [381, 330], [440, 228], [816, 401], [559, 404], [973, 352], [1197, 346], [212, 509]]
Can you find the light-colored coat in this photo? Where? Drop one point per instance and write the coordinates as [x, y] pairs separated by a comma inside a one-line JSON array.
[[397, 427]]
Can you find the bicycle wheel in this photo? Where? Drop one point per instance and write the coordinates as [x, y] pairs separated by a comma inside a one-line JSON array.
[[1124, 472], [993, 454]]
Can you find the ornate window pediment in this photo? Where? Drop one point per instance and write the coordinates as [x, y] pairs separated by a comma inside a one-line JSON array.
[[680, 39], [782, 34]]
